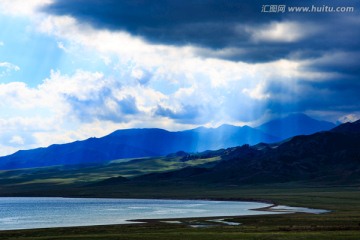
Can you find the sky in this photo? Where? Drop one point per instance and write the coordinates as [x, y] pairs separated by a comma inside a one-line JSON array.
[[74, 69]]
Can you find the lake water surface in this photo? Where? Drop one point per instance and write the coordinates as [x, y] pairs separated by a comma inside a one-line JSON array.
[[30, 213]]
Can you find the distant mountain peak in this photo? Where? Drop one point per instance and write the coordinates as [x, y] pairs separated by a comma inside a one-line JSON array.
[[295, 124], [298, 115], [228, 126]]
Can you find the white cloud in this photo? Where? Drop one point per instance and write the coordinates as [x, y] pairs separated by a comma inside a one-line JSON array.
[[258, 92], [280, 32], [6, 68], [52, 112], [349, 118], [7, 150], [18, 132], [17, 140], [9, 66], [2, 43], [21, 7], [62, 46]]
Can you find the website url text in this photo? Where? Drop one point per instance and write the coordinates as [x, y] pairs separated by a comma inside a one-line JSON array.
[[309, 9]]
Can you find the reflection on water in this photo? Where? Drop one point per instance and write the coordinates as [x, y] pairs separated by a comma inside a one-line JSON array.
[[287, 209]]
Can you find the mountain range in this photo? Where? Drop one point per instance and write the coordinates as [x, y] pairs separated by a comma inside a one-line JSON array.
[[150, 142], [331, 157], [326, 158]]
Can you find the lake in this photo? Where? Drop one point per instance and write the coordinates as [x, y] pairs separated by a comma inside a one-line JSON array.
[[30, 213]]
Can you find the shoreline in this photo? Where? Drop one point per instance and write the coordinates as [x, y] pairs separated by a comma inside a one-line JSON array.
[[259, 200]]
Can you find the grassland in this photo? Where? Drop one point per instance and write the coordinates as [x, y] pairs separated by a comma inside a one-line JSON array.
[[343, 222], [77, 175]]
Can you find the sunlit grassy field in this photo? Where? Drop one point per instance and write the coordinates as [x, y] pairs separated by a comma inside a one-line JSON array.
[[61, 175]]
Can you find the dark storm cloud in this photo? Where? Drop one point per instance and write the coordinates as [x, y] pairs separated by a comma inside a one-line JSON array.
[[208, 23], [218, 24], [344, 63], [338, 95]]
